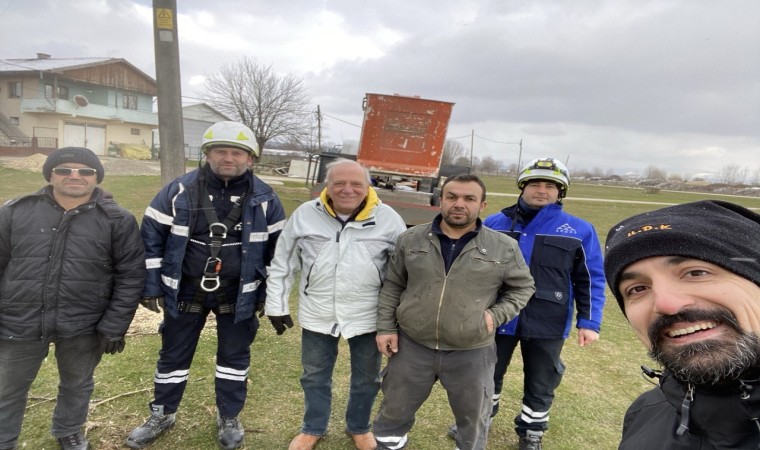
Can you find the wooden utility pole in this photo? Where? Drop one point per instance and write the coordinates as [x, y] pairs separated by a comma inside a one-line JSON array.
[[166, 46]]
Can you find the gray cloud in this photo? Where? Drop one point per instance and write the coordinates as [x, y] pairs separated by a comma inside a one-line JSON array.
[[612, 84]]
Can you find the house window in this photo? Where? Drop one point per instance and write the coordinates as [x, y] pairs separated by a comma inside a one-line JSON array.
[[15, 120], [14, 89], [130, 101], [63, 92], [135, 131]]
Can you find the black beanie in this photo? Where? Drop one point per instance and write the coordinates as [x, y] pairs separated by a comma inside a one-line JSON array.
[[78, 155], [718, 232]]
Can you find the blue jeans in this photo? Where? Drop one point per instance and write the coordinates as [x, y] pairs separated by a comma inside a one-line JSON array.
[[20, 362], [318, 355]]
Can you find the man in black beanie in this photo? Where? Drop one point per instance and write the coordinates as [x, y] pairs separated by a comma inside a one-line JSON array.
[[71, 273], [687, 278]]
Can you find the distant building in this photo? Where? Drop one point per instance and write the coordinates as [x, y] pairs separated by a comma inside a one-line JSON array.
[[196, 119], [47, 102]]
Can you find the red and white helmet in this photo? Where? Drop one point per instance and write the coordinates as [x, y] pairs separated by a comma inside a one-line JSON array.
[[230, 134], [548, 169]]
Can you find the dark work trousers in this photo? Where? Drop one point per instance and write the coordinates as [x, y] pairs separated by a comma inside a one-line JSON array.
[[180, 337], [20, 361], [542, 373], [408, 378]]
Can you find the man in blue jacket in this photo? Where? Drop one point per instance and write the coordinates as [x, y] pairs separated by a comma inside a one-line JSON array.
[[209, 236], [565, 259]]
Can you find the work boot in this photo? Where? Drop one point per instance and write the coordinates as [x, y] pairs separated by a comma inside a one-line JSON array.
[[231, 432], [531, 440], [74, 441], [157, 423], [304, 441], [364, 441]]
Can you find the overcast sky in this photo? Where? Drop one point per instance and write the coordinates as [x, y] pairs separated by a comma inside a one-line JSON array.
[[616, 85]]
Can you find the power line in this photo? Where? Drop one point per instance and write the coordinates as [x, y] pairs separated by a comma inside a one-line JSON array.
[[339, 120], [495, 141]]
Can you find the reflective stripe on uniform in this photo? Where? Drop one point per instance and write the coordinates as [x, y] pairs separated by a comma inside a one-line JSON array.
[[171, 282], [250, 287], [231, 374], [258, 237], [153, 263], [181, 230], [178, 376], [158, 216], [530, 416], [275, 227], [392, 442]]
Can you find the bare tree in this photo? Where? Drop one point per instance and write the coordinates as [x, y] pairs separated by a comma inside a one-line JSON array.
[[733, 174], [463, 161], [452, 151], [272, 105], [756, 176], [489, 165], [655, 173]]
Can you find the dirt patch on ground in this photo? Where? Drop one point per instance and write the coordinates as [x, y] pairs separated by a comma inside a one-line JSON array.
[[147, 322], [112, 166]]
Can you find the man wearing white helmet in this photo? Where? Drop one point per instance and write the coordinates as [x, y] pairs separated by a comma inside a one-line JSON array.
[[209, 236], [565, 259]]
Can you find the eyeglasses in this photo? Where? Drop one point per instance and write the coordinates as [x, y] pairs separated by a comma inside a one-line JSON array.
[[66, 171]]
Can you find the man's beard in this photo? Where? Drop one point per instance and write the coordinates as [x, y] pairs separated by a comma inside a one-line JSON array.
[[712, 361]]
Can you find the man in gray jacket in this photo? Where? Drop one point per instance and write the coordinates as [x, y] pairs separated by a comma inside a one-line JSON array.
[[71, 274], [449, 285]]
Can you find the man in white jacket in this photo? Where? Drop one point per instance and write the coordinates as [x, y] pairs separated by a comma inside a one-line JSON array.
[[340, 242]]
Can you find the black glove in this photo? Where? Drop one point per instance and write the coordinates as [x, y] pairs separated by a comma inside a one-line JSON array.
[[260, 307], [281, 323], [153, 303], [112, 344]]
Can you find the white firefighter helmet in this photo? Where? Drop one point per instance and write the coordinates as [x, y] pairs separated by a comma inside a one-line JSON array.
[[548, 169], [230, 134]]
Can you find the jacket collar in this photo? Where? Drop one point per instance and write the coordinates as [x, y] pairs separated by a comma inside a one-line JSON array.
[[366, 209]]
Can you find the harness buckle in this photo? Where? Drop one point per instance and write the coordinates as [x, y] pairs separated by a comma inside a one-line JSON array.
[[210, 284], [223, 233], [210, 280]]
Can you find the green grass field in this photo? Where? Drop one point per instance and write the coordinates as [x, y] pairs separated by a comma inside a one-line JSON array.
[[599, 383]]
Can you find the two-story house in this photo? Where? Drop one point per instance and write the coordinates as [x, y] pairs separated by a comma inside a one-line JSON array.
[[46, 103]]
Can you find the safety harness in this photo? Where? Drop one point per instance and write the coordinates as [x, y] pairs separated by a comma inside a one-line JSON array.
[[210, 282]]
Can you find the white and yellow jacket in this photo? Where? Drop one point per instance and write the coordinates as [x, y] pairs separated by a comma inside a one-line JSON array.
[[342, 266]]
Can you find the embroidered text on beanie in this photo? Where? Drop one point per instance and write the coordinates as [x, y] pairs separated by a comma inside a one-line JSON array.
[[719, 232]]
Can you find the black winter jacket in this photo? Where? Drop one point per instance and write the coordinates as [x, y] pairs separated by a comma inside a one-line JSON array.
[[720, 417], [68, 273]]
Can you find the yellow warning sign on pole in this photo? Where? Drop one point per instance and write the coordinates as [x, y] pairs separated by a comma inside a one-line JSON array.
[[164, 19]]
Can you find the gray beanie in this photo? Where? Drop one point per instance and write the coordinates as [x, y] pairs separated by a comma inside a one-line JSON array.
[[718, 232], [78, 155]]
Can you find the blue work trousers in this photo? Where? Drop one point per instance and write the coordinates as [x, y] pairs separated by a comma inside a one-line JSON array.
[[318, 355], [20, 361], [180, 336], [542, 373]]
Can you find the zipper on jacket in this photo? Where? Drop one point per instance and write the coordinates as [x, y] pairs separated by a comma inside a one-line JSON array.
[[440, 299]]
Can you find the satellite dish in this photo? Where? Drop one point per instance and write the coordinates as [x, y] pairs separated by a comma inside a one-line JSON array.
[[81, 100]]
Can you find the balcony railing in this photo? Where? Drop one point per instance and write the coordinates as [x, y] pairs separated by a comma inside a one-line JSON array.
[[110, 113]]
